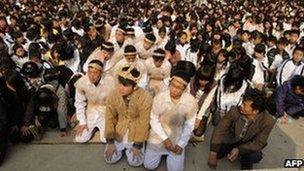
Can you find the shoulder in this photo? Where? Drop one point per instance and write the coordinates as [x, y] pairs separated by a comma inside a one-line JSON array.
[[268, 119]]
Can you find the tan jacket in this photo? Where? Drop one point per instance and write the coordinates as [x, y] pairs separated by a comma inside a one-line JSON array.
[[134, 118]]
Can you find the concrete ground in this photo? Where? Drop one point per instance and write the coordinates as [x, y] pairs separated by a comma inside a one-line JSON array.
[[57, 153]]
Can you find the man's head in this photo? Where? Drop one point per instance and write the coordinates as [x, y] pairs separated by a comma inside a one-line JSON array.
[[181, 75], [128, 79], [95, 70], [282, 43], [107, 49], [120, 34], [294, 36], [130, 53], [246, 36], [149, 41], [259, 51], [19, 50], [297, 85], [253, 103], [158, 57], [298, 54], [177, 86]]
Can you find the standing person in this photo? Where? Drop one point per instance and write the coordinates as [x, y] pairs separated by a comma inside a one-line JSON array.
[[91, 93], [127, 119], [242, 132], [172, 122]]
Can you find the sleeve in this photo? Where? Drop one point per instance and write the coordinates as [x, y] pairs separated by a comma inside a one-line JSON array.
[[276, 63], [143, 82], [206, 104], [29, 113], [295, 109], [110, 119], [62, 109], [221, 130], [142, 126], [80, 105], [259, 142], [154, 122], [279, 100], [188, 127]]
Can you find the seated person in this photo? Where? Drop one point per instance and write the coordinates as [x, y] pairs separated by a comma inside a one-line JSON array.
[[290, 98], [242, 132]]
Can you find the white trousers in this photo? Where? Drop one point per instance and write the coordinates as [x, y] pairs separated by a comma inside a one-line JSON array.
[[132, 160], [153, 158], [87, 134]]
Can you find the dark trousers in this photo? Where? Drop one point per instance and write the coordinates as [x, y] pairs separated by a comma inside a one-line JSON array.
[[247, 160], [3, 149]]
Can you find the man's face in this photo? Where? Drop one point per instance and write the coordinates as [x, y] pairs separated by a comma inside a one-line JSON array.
[[20, 40], [162, 35], [245, 37], [20, 52], [298, 56], [299, 91], [120, 37], [130, 58], [176, 89], [93, 31], [246, 108], [125, 90], [2, 23], [259, 55], [294, 38], [94, 75], [183, 39], [158, 62], [106, 55], [147, 45]]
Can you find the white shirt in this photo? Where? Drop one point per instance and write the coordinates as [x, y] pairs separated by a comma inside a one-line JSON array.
[[160, 128]]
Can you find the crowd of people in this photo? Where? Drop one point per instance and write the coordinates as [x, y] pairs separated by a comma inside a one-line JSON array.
[[151, 76]]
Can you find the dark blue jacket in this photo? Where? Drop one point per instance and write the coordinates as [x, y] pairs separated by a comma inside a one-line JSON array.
[[287, 101]]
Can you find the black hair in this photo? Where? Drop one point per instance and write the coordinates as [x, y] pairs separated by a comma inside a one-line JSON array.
[[233, 80], [160, 51], [171, 46], [298, 48], [260, 48], [205, 72], [297, 80], [258, 99]]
